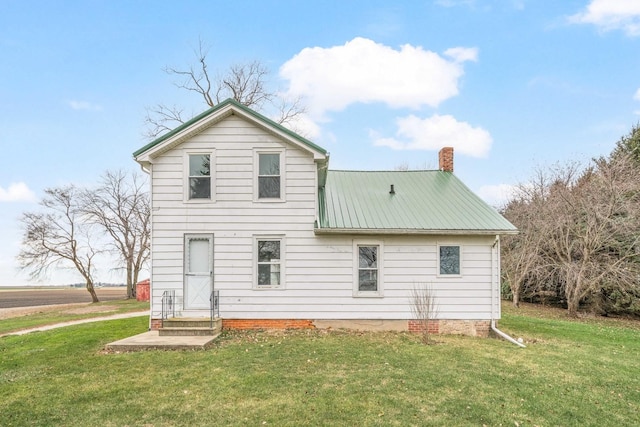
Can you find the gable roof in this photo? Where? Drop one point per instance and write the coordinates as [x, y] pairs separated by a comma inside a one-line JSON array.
[[425, 202], [214, 115]]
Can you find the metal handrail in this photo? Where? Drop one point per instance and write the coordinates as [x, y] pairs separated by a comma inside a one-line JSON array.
[[214, 304], [168, 304]]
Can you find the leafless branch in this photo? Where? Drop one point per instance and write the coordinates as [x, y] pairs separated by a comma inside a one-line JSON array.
[[58, 237], [424, 308], [247, 83], [120, 207]]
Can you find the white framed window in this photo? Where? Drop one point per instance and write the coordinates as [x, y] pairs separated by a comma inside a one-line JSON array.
[[269, 271], [269, 176], [449, 260], [367, 269], [199, 176]]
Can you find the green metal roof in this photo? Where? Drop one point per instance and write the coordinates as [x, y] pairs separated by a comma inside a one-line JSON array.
[[430, 202], [220, 107]]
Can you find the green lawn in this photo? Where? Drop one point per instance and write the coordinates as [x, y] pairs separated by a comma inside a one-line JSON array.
[[570, 374], [75, 313]]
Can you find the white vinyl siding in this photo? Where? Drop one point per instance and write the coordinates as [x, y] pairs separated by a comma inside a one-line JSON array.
[[319, 268]]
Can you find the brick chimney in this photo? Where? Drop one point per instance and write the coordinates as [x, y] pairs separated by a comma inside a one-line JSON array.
[[445, 158]]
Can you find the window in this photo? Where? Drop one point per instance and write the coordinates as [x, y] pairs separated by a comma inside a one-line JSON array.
[[269, 256], [367, 269], [199, 176], [269, 175], [449, 260]]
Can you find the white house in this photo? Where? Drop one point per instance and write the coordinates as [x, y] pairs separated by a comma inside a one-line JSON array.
[[248, 209]]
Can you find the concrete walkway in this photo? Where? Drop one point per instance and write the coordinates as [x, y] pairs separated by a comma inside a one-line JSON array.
[[78, 322], [150, 340]]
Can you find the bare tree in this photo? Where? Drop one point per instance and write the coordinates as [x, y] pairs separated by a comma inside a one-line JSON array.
[[524, 266], [596, 230], [581, 232], [246, 83], [58, 237], [629, 144], [424, 309], [120, 207]]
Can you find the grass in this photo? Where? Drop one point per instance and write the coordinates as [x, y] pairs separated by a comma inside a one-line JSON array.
[[571, 374], [49, 316]]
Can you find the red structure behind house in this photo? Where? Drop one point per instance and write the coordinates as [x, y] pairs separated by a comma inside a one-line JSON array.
[[142, 290]]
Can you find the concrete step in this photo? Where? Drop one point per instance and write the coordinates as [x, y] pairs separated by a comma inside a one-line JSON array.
[[189, 322], [190, 327], [187, 332]]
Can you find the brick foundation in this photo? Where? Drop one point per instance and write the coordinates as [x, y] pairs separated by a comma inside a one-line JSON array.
[[155, 324], [267, 324], [416, 326]]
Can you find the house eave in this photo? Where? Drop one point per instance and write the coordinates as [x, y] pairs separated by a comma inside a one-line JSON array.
[[216, 114], [406, 232]]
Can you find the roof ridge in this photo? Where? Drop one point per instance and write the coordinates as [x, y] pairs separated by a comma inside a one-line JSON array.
[[220, 106]]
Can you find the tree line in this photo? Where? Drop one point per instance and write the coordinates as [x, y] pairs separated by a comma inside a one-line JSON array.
[[579, 239]]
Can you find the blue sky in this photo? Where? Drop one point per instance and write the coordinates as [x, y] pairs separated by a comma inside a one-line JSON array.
[[511, 84]]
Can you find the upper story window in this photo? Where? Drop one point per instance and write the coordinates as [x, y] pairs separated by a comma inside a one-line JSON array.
[[449, 260], [199, 176], [269, 178]]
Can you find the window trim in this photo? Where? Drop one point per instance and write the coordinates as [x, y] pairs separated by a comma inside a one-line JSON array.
[[273, 237], [212, 176], [357, 293], [460, 263], [256, 171]]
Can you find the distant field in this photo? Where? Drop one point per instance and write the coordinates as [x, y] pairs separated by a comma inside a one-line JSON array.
[[11, 297]]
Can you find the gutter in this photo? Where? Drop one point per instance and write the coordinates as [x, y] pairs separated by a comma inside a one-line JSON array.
[[494, 285], [410, 231]]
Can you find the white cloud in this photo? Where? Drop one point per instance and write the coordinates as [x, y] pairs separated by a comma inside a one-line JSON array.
[[610, 15], [462, 54], [435, 132], [636, 96], [84, 106], [497, 195], [362, 71], [17, 192]]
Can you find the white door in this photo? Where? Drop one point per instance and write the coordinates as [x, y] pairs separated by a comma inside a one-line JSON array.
[[198, 271]]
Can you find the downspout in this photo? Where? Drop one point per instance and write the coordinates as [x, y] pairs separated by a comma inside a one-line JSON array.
[[495, 280]]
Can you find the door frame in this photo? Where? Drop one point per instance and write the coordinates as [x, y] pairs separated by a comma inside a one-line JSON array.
[[187, 274]]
